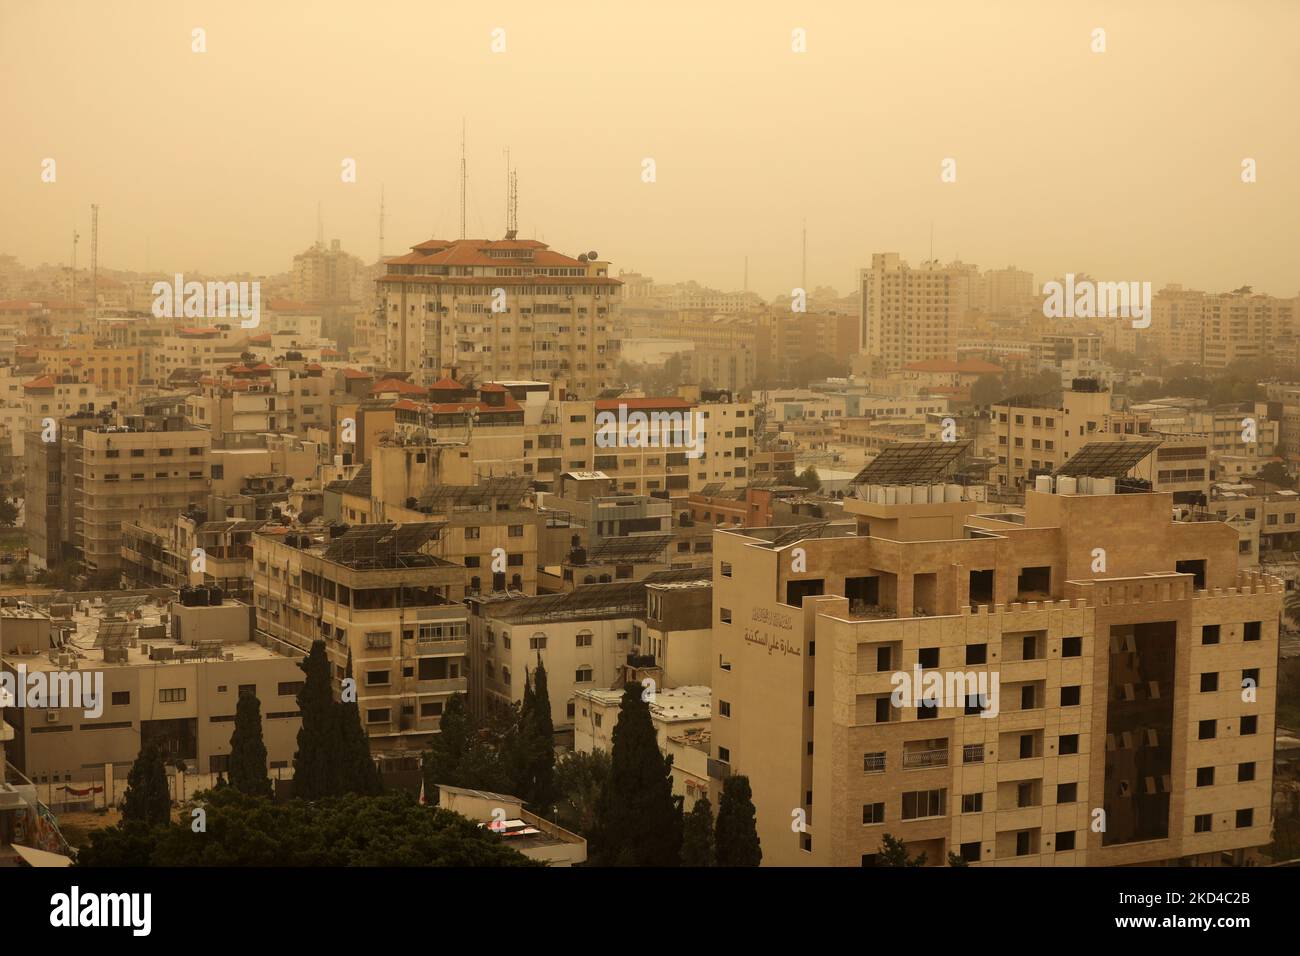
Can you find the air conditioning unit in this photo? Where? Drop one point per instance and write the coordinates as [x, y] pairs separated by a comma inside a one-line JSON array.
[[51, 716]]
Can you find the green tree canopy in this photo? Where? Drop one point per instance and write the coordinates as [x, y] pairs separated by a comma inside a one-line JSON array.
[[386, 830], [147, 799], [247, 749], [638, 822], [736, 837]]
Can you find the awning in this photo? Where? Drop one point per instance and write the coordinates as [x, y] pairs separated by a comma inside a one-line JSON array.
[[35, 857]]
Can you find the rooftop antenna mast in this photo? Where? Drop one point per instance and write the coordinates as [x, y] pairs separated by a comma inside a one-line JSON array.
[[94, 261], [803, 272], [463, 177], [75, 237]]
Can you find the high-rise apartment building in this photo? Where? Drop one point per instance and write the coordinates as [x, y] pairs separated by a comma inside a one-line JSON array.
[[912, 315], [1128, 670], [500, 310]]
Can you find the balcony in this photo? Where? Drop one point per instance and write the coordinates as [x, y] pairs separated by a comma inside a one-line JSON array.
[[924, 759], [449, 685]]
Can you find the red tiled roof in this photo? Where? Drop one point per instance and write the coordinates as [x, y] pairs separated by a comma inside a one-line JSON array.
[[354, 373], [447, 384], [45, 381], [397, 385], [288, 305], [471, 252]]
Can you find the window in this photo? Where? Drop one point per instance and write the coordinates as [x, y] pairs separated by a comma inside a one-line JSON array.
[[472, 534], [171, 695], [725, 569], [972, 803], [1209, 682], [1207, 730], [121, 698], [583, 639], [873, 813], [724, 754], [1251, 631], [873, 762], [724, 615], [1067, 792], [1245, 818], [379, 639], [924, 803], [970, 852], [977, 653], [1205, 776], [1210, 634], [1203, 823], [1068, 744], [1245, 772], [724, 708], [882, 710], [377, 715], [376, 678], [1064, 841], [583, 675], [1023, 844], [537, 642], [516, 531], [1248, 725], [928, 657], [1071, 646], [1070, 696]]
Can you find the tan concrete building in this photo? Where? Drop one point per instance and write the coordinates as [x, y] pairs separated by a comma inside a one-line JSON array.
[[1135, 694], [912, 315], [379, 594], [175, 684], [497, 310]]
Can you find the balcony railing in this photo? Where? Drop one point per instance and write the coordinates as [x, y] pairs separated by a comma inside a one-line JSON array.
[[918, 759], [972, 753]]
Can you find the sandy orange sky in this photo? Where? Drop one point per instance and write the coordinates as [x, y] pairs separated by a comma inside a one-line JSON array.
[[1124, 164]]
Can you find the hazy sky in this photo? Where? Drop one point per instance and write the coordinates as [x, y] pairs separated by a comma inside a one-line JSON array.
[[1124, 164]]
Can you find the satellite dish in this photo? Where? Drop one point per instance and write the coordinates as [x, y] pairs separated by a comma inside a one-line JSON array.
[[592, 255], [581, 258]]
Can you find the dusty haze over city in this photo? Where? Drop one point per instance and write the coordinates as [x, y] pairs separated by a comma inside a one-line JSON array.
[[1125, 165]]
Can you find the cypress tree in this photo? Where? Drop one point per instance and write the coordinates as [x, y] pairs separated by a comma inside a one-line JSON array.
[[697, 835], [736, 837], [540, 737], [147, 797], [638, 820], [357, 770], [315, 765], [247, 750]]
